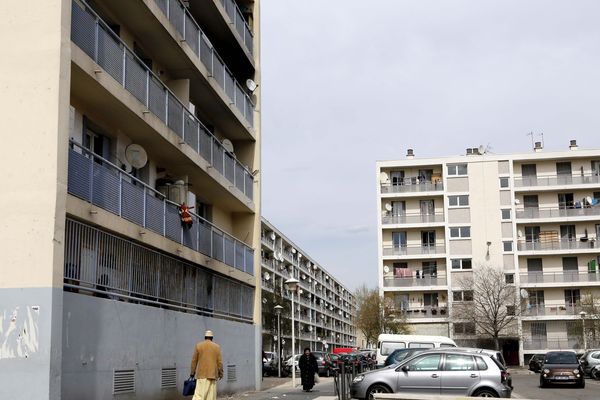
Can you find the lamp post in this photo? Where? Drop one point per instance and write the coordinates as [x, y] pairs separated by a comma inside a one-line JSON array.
[[291, 285], [583, 314], [278, 309]]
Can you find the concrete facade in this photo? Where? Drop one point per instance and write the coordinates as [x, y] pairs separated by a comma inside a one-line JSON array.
[[91, 226], [529, 214]]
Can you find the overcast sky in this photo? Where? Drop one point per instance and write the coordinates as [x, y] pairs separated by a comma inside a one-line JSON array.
[[348, 82]]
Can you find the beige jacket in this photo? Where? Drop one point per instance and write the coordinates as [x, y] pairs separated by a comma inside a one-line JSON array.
[[207, 362]]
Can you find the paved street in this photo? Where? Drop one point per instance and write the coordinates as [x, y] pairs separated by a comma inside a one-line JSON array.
[[281, 389], [526, 386]]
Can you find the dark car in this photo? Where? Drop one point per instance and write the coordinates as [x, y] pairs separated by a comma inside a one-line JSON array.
[[400, 355], [561, 367], [324, 362], [535, 362], [270, 363], [355, 361]]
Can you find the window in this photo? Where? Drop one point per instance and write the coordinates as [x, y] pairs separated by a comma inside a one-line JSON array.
[[507, 245], [504, 182], [460, 232], [509, 278], [459, 362], [572, 297], [461, 263], [510, 310], [532, 234], [388, 347], [570, 264], [505, 214], [481, 365], [457, 169], [565, 200], [462, 295], [567, 232], [529, 170], [458, 201], [536, 298], [465, 328], [414, 345], [534, 265], [430, 362]]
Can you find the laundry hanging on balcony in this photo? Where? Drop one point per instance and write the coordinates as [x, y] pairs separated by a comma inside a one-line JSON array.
[[186, 217]]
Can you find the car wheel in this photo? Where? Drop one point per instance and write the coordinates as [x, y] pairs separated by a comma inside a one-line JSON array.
[[581, 384], [377, 388], [485, 393], [328, 373], [543, 383]]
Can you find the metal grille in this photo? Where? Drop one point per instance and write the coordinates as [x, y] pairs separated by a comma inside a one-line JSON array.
[[135, 78], [217, 245], [204, 238], [205, 144], [132, 197], [190, 131], [206, 54], [175, 117], [123, 381], [118, 268], [176, 15], [229, 86], [168, 378], [229, 254], [162, 4], [155, 213], [191, 33], [172, 223], [105, 192], [81, 21], [239, 178], [157, 100], [217, 156], [110, 54], [218, 70], [231, 373], [229, 162]]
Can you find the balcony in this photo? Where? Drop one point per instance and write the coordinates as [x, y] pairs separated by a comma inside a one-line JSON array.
[[190, 31], [96, 39], [575, 344], [557, 180], [561, 244], [413, 219], [560, 277], [414, 250], [267, 241], [412, 185], [426, 312], [239, 22], [547, 310], [96, 180], [415, 282], [556, 212]]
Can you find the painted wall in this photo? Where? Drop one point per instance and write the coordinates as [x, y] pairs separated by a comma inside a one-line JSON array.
[[101, 335]]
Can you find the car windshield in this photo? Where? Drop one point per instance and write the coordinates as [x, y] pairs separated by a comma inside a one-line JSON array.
[[388, 347], [561, 358]]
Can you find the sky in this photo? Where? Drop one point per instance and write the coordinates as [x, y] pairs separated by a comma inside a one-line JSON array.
[[346, 83]]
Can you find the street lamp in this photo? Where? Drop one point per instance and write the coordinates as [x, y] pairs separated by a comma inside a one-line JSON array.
[[583, 314], [278, 309], [291, 285]]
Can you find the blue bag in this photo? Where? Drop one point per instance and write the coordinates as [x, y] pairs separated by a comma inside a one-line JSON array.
[[189, 386]]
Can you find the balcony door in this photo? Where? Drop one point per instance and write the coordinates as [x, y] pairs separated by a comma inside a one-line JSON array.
[[572, 297], [397, 178], [529, 174], [430, 299], [531, 205], [532, 234], [565, 200], [567, 232], [564, 172], [399, 239], [536, 299], [429, 268], [427, 207], [425, 175], [428, 238], [596, 167], [398, 208]]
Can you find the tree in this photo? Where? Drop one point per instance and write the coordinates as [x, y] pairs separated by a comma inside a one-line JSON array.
[[376, 315], [487, 302], [590, 304]]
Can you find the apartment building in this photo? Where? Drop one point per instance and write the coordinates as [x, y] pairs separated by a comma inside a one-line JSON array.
[[324, 308], [132, 138], [536, 215]]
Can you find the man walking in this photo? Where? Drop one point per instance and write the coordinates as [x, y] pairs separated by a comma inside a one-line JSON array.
[[207, 367]]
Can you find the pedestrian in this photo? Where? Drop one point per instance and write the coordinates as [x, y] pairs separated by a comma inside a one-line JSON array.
[[308, 369], [207, 367]]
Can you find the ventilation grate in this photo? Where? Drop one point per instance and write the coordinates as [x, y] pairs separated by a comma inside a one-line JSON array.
[[123, 381], [231, 373], [168, 378]]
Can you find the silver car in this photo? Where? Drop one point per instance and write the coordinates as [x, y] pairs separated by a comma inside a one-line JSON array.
[[589, 360], [437, 371]]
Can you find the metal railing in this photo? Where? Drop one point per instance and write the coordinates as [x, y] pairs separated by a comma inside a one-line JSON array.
[[557, 180], [190, 31], [98, 181], [268, 241], [411, 282], [239, 22], [425, 312], [413, 250], [556, 212], [109, 266], [553, 344], [412, 218], [562, 244], [98, 41], [542, 309], [411, 185], [559, 277]]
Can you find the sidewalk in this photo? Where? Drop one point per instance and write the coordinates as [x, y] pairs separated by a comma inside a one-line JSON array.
[[281, 389]]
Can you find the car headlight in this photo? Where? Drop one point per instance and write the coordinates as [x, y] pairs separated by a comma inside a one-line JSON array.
[[358, 378], [575, 371], [546, 371]]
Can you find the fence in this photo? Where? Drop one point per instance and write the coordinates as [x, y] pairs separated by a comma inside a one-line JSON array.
[[190, 31], [111, 267], [238, 21], [99, 42], [555, 180], [534, 212], [94, 179], [558, 244]]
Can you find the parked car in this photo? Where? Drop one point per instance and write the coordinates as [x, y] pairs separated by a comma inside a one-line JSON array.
[[287, 365], [495, 354], [324, 363], [435, 371], [535, 362], [561, 367], [354, 360], [268, 367], [589, 360], [399, 355]]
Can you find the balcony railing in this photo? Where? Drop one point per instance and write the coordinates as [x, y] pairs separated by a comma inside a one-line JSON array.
[[425, 312], [413, 250], [542, 309], [268, 241], [96, 180], [238, 20], [562, 244], [534, 213], [412, 218], [99, 42], [412, 185], [557, 180], [554, 344], [560, 277], [190, 31], [412, 282]]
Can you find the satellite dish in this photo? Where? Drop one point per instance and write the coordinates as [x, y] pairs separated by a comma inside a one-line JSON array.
[[299, 255], [315, 267], [267, 276], [481, 149], [517, 201], [589, 199], [386, 269], [136, 156], [227, 145], [524, 294], [293, 251], [251, 85], [310, 328], [300, 291], [272, 235], [388, 207], [519, 233], [383, 177]]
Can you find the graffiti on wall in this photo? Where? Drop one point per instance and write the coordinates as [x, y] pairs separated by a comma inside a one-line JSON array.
[[19, 332]]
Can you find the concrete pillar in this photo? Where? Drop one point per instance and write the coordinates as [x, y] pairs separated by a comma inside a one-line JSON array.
[[34, 99]]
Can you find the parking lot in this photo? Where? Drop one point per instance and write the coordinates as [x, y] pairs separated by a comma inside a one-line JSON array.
[[526, 386]]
